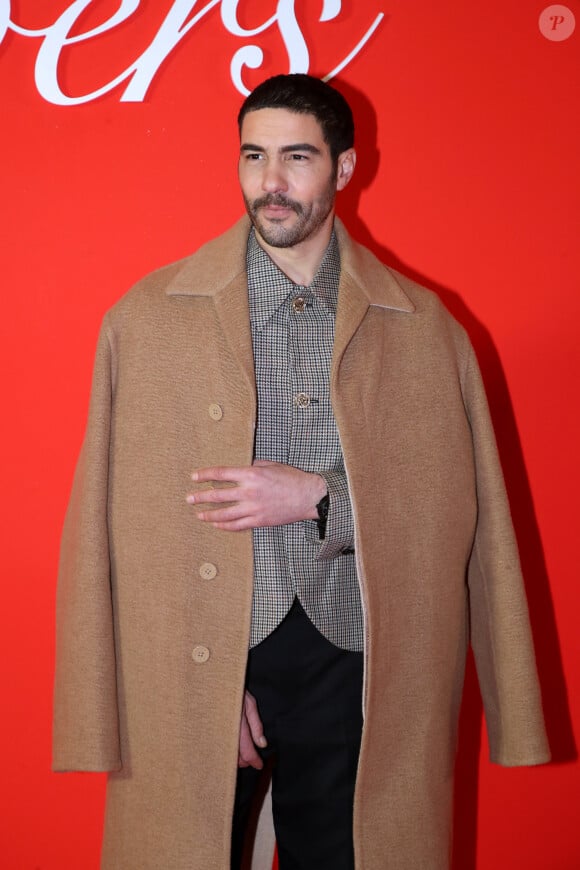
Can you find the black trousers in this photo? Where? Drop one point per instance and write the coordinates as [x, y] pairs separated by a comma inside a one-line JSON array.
[[309, 695]]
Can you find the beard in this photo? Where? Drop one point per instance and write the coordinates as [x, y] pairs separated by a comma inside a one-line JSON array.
[[309, 217]]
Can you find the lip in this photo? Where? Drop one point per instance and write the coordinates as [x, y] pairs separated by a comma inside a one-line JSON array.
[[276, 211]]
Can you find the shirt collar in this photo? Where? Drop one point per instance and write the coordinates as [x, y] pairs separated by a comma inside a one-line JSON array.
[[269, 287]]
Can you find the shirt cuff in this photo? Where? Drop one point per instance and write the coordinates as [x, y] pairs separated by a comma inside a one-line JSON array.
[[339, 535]]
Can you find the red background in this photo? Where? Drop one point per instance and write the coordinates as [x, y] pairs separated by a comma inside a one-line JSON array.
[[468, 181]]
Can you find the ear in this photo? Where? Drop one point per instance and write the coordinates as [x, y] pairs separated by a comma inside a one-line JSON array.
[[345, 167]]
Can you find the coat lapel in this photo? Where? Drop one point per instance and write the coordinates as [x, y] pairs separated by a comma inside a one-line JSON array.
[[232, 309], [364, 281], [218, 271]]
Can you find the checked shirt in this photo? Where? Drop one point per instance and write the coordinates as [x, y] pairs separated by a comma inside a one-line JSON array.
[[292, 335]]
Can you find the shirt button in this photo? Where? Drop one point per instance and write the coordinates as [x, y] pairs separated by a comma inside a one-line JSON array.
[[207, 571], [215, 412], [302, 400], [299, 304], [200, 654]]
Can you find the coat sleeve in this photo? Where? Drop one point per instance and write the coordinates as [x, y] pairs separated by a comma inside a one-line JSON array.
[[500, 629], [86, 732]]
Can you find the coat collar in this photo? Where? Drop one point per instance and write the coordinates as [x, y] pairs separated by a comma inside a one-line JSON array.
[[218, 270], [222, 261]]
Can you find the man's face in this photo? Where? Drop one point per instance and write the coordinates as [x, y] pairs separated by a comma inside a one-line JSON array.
[[287, 176]]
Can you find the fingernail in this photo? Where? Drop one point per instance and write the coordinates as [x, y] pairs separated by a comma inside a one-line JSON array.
[[190, 499], [262, 742], [194, 475]]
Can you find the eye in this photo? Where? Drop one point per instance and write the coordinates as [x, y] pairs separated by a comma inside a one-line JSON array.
[[252, 156]]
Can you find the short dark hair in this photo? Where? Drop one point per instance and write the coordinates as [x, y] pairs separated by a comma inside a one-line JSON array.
[[307, 95]]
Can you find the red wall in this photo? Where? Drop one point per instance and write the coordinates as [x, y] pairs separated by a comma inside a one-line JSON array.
[[468, 181]]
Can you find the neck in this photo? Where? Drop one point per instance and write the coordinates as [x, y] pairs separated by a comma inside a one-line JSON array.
[[301, 262]]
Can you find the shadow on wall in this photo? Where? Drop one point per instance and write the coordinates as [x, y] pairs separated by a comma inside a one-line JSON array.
[[550, 668]]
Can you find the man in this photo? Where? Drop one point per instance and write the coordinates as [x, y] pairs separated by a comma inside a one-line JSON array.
[[345, 522]]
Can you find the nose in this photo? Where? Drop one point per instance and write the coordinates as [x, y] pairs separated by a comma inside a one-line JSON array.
[[273, 178]]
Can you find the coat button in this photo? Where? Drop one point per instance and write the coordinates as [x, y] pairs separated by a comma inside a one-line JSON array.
[[215, 412], [302, 400], [207, 571], [299, 304], [200, 654]]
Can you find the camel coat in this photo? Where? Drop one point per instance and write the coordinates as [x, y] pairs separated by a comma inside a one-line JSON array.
[[154, 606]]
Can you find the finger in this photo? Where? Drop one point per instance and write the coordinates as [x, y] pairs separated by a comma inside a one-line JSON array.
[[248, 754], [252, 760], [254, 721], [257, 763], [236, 525], [220, 472], [214, 496], [225, 515]]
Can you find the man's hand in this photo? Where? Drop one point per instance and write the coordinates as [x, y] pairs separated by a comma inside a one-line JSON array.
[[263, 494], [251, 734]]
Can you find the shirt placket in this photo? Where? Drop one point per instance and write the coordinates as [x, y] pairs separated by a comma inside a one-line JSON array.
[[303, 450]]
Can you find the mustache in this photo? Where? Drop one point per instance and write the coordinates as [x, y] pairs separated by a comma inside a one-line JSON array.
[[277, 199]]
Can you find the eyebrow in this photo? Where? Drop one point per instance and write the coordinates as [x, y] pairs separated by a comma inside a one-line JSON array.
[[286, 149]]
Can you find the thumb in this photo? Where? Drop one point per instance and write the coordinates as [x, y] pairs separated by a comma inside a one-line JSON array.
[[254, 721]]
